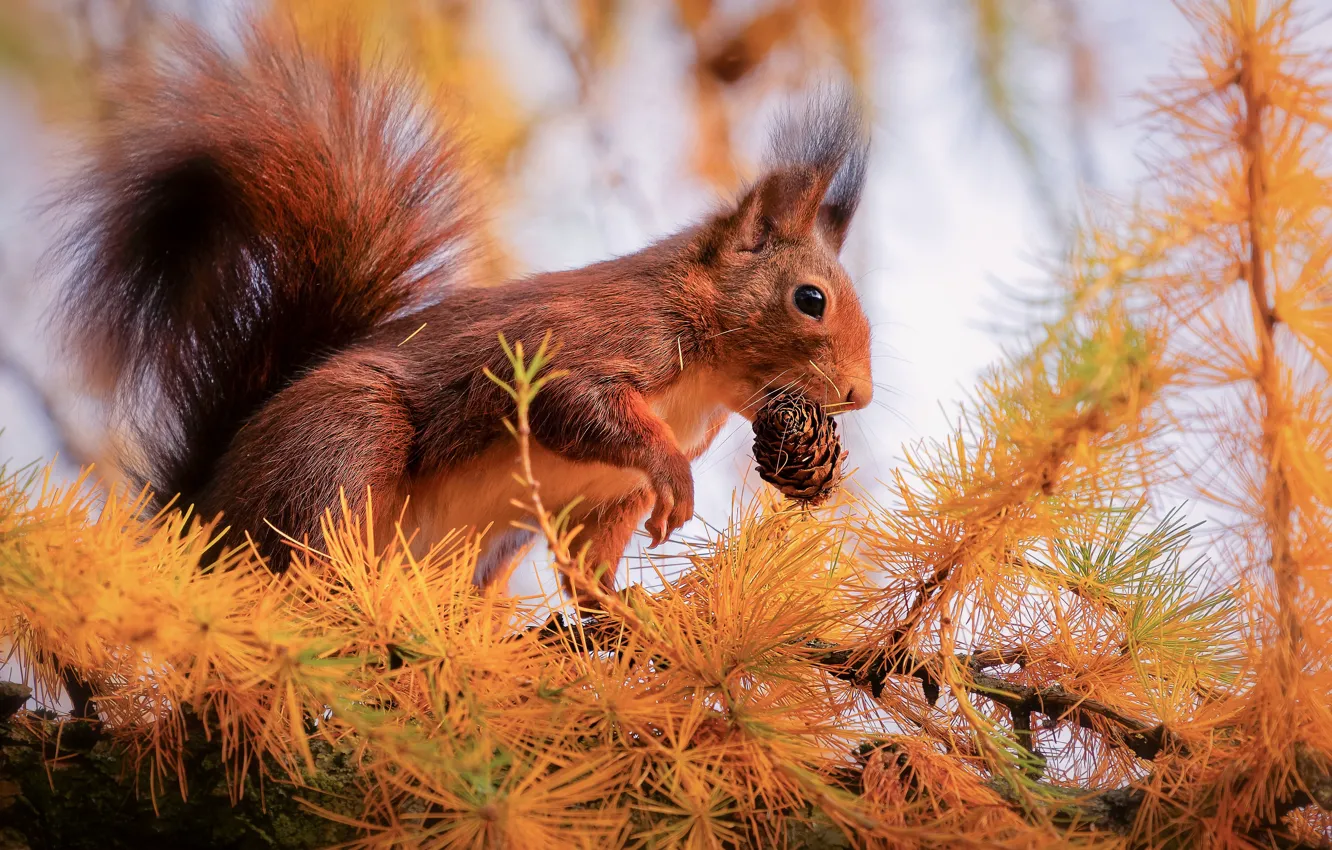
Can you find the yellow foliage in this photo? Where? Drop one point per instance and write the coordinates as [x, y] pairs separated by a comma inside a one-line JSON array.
[[1017, 648]]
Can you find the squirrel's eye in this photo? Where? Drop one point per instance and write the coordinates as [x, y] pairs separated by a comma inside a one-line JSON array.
[[810, 300]]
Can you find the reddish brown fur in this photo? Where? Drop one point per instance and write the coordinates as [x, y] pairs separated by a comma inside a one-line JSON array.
[[660, 346]]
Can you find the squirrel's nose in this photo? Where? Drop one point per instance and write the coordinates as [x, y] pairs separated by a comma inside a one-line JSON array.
[[859, 393]]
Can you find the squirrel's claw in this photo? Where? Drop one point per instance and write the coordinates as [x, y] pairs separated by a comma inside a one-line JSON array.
[[674, 487], [657, 526]]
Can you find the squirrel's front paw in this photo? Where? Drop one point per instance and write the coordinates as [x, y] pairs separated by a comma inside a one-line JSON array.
[[673, 483]]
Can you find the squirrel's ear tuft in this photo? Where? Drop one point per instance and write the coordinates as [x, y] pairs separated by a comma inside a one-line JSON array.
[[815, 171], [829, 138]]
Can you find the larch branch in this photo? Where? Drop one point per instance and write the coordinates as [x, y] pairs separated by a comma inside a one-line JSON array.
[[1278, 506]]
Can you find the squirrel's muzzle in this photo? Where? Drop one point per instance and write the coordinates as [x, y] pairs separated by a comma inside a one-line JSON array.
[[859, 393]]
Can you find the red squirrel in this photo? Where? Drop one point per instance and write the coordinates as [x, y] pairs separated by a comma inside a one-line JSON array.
[[266, 266]]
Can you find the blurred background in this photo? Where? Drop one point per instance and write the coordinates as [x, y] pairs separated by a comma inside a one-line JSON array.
[[604, 124]]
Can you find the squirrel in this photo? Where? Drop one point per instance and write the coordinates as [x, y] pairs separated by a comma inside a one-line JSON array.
[[266, 272]]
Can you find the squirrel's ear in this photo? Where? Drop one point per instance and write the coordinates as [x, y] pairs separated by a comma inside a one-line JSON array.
[[786, 203]]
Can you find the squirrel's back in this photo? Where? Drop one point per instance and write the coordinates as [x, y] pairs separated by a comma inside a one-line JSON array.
[[245, 212]]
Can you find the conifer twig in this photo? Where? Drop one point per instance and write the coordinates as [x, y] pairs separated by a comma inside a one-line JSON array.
[[527, 382]]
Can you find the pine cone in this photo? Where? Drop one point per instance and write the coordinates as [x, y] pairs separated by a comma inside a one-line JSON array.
[[797, 448]]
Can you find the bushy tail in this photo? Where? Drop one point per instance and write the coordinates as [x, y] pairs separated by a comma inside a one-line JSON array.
[[244, 213]]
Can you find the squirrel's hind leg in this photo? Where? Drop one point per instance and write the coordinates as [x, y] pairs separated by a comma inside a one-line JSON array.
[[340, 431], [607, 530]]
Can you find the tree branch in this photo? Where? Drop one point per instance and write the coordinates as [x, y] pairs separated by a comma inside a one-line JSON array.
[[67, 783], [1278, 500], [71, 445], [1107, 810], [1144, 738]]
